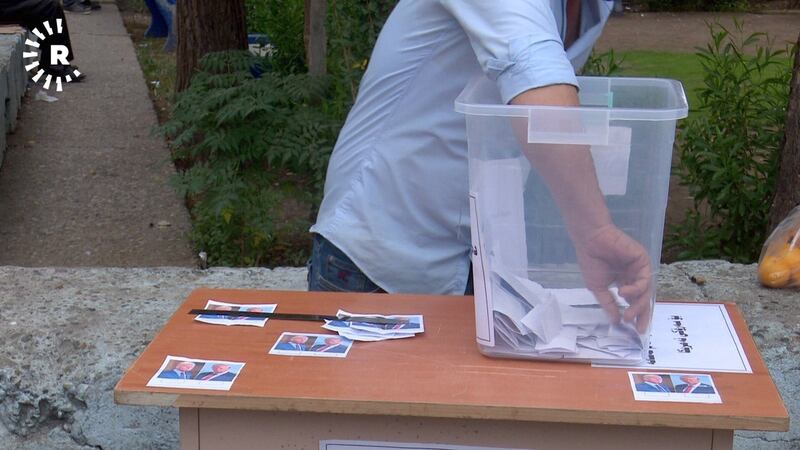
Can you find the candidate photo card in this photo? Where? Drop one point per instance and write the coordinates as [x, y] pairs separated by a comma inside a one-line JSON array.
[[344, 329], [222, 319], [193, 373], [674, 387], [406, 323], [307, 344]]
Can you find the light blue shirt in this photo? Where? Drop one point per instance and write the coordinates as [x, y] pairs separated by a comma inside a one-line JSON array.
[[396, 193]]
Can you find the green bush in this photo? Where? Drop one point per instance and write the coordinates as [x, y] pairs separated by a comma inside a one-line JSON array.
[[604, 64], [353, 27], [256, 151], [283, 22], [728, 154]]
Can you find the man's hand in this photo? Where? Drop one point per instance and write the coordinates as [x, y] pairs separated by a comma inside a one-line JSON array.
[[606, 254], [609, 256]]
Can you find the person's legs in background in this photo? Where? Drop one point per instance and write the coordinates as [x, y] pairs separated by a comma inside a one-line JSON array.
[[77, 7], [32, 14], [91, 4], [57, 39]]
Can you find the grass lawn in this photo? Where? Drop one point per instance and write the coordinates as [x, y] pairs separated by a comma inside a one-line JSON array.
[[684, 67], [158, 66]]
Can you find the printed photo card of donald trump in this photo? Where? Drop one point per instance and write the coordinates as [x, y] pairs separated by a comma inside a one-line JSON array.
[[674, 387], [223, 319], [305, 344], [193, 373]]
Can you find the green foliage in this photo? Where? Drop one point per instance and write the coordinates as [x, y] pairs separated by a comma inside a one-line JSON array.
[[257, 150], [685, 67], [728, 155], [605, 64], [353, 28], [159, 69], [283, 22]]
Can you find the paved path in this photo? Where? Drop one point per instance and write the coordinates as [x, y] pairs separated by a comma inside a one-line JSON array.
[[84, 183]]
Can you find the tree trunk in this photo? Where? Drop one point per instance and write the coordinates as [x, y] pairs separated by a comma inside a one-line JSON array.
[[314, 36], [205, 26], [787, 192]]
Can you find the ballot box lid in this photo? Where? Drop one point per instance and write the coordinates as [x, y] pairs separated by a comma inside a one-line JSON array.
[[439, 373], [621, 98]]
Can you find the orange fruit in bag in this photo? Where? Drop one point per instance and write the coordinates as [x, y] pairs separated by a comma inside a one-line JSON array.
[[791, 258], [774, 272]]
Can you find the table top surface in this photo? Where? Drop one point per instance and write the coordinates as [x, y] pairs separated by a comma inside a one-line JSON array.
[[439, 373]]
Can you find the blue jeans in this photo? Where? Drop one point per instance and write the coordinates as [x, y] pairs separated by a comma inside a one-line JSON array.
[[329, 269]]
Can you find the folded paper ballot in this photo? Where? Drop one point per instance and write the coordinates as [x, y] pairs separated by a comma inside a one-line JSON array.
[[558, 323], [406, 326], [511, 308], [566, 341], [545, 320], [364, 336], [516, 315]]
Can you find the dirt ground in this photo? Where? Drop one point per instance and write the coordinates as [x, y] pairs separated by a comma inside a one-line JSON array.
[[683, 32], [679, 32]]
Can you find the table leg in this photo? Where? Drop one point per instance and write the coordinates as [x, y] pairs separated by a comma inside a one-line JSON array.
[[722, 440], [189, 420]]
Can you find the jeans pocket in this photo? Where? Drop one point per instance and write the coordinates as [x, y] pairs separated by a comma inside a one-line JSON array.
[[324, 285], [332, 270], [343, 274], [339, 274]]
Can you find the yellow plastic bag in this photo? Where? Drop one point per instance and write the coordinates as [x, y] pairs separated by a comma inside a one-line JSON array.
[[779, 264]]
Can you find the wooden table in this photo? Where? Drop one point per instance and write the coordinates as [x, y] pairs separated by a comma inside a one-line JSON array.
[[434, 388]]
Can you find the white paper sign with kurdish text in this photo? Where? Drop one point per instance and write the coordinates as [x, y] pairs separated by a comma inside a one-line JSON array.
[[694, 337]]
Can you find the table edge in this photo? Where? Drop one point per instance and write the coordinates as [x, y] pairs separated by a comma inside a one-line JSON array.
[[196, 399], [453, 411]]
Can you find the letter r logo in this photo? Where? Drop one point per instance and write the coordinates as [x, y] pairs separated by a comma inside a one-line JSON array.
[[59, 55]]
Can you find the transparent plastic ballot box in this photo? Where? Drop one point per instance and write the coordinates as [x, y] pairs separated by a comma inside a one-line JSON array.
[[548, 263]]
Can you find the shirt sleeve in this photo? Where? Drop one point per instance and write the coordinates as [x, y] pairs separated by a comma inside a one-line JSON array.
[[517, 43]]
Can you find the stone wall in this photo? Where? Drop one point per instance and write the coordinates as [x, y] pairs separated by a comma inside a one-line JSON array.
[[68, 335], [13, 80]]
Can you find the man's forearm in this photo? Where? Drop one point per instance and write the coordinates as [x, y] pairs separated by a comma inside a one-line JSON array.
[[567, 170]]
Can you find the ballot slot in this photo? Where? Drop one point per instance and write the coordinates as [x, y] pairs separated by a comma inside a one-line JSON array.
[[533, 292]]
